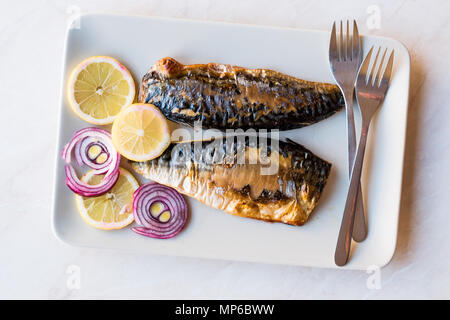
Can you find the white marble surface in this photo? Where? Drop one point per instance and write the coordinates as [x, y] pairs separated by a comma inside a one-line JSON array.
[[33, 264]]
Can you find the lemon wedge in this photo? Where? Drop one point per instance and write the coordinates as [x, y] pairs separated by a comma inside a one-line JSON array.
[[140, 132], [99, 88], [112, 210]]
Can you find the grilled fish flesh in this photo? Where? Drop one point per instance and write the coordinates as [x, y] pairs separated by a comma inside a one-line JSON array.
[[278, 181], [230, 97]]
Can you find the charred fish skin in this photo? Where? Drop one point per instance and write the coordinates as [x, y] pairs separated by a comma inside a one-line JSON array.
[[230, 97], [204, 172]]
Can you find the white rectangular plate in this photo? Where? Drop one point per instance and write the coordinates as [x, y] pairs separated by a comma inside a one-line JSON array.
[[140, 41]]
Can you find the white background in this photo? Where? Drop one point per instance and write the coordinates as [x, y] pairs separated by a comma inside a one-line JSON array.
[[34, 264]]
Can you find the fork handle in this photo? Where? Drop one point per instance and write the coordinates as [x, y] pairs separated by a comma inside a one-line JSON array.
[[351, 131], [345, 232], [359, 232]]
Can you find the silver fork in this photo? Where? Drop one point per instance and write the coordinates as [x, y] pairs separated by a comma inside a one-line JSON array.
[[371, 89], [345, 59]]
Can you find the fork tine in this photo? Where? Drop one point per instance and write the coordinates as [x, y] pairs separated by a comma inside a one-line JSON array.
[[341, 43], [380, 69], [348, 52], [362, 76], [334, 54], [373, 71], [387, 72], [356, 49]]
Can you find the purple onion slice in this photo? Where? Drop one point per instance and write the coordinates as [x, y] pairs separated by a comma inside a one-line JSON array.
[[91, 147], [161, 211]]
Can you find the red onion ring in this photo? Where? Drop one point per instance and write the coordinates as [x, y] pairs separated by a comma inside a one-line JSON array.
[[148, 194], [82, 157], [81, 142]]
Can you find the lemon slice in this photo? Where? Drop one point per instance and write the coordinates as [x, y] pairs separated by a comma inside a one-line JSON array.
[[140, 132], [99, 88], [112, 210]]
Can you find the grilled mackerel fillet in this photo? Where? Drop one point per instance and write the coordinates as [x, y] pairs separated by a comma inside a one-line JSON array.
[[226, 174], [230, 97]]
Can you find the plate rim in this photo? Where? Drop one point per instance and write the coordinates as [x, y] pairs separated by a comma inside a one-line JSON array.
[[63, 239]]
